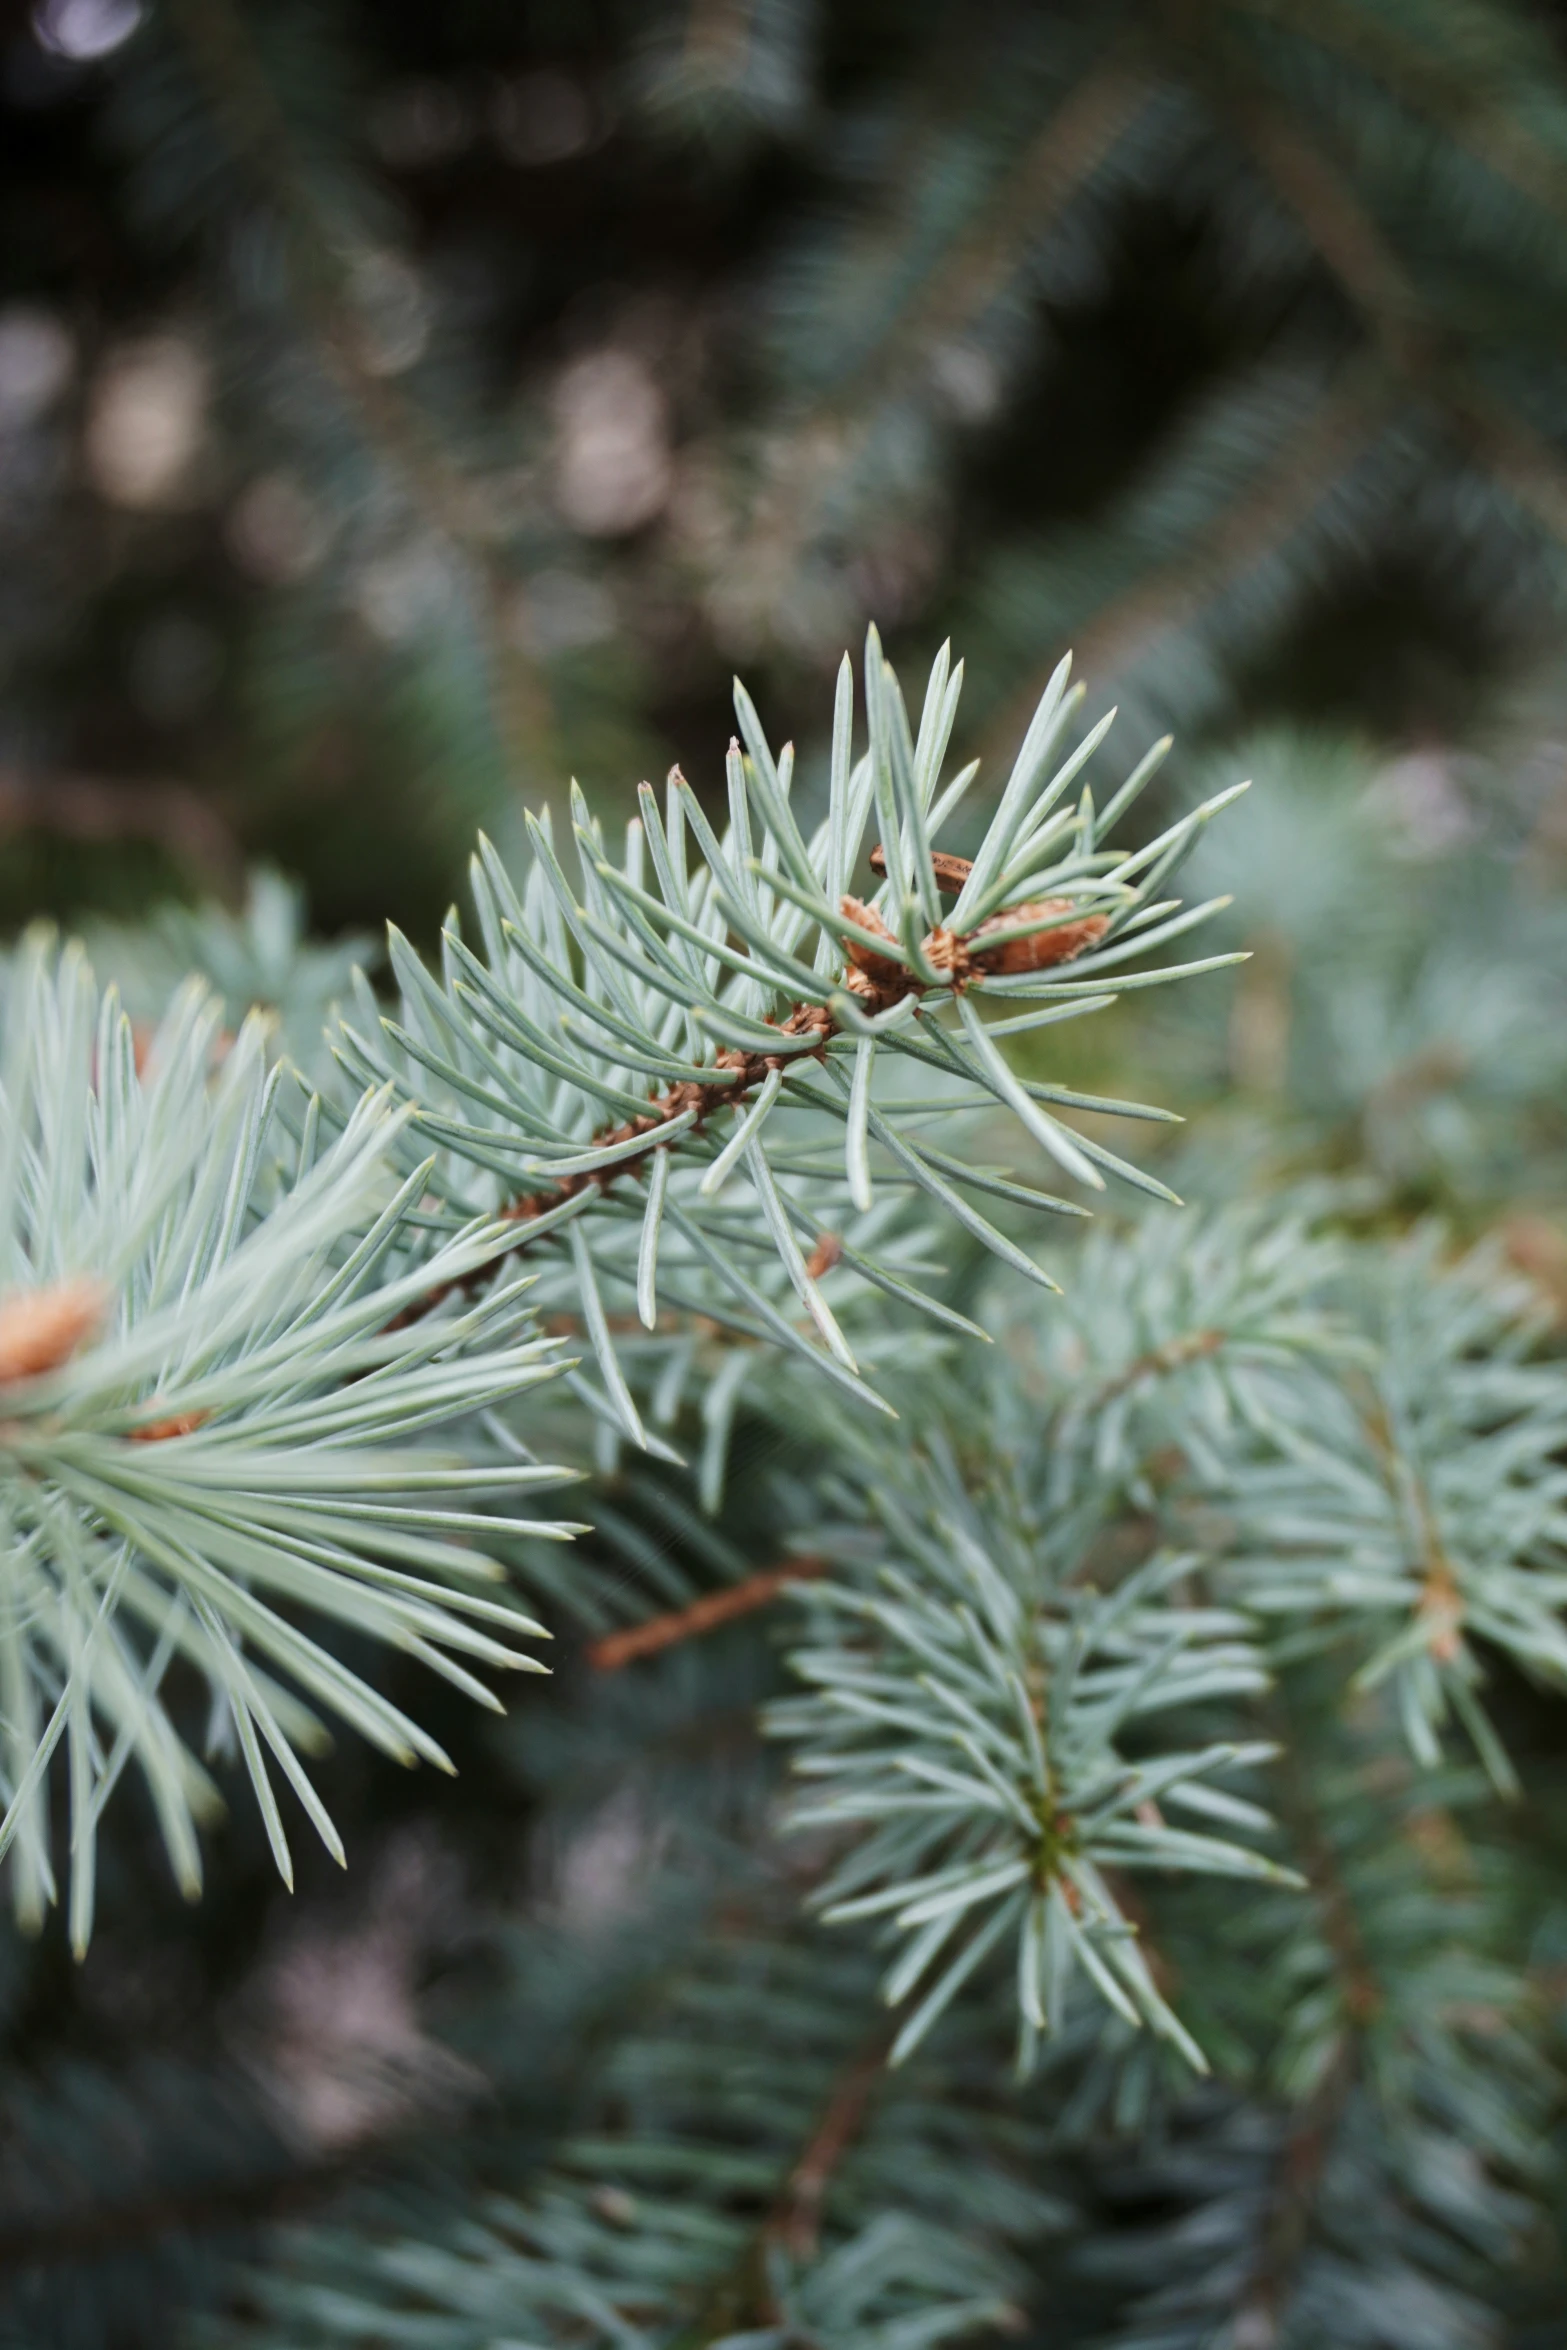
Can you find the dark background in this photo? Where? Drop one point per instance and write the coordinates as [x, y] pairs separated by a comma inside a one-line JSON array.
[[401, 408]]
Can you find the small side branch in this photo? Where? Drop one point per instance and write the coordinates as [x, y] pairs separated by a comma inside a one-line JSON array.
[[1262, 2310], [1259, 2317], [796, 2223], [1159, 1361], [615, 1649]]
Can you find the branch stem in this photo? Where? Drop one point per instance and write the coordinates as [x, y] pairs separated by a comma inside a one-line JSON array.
[[618, 1649]]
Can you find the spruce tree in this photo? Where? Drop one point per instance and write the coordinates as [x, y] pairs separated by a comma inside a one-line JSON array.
[[919, 1382]]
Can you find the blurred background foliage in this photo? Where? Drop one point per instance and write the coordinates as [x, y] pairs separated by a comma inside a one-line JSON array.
[[405, 408]]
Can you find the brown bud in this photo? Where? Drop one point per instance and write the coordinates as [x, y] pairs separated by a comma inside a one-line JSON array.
[[945, 952], [865, 918], [1441, 1610], [823, 1257], [42, 1328], [176, 1424], [878, 979]]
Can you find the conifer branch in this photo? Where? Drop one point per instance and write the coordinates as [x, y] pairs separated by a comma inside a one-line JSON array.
[[1069, 147], [208, 1427], [610, 1022], [1343, 233], [1475, 117]]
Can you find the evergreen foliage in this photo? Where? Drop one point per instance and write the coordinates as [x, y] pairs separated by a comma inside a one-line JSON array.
[[1028, 1805], [1185, 1582], [210, 1400]]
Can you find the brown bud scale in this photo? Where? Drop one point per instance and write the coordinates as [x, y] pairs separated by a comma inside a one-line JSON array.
[[42, 1328]]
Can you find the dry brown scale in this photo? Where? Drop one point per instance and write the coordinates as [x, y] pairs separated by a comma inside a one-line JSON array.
[[880, 981], [42, 1328]]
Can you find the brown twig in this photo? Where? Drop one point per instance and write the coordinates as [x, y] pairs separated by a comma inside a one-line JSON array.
[[950, 872], [615, 1649], [744, 2296], [1192, 1347], [1440, 1605], [1260, 2311], [797, 2217], [750, 1070]]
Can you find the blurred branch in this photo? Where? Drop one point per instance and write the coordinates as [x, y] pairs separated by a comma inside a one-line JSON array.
[[1260, 2312], [1278, 502], [1352, 247], [110, 2228], [1498, 139], [744, 2294], [1336, 223], [1409, 348], [93, 809], [221, 47], [1071, 145], [1304, 2157], [1390, 307]]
